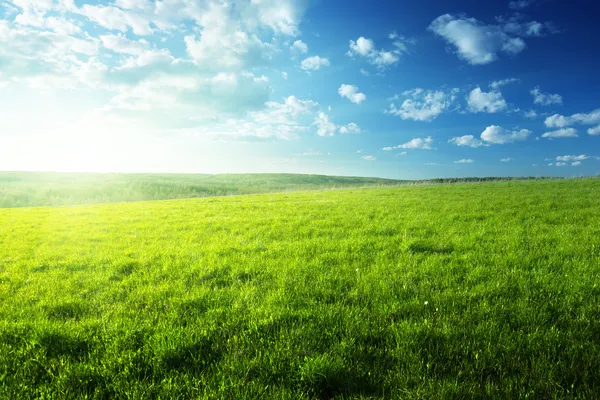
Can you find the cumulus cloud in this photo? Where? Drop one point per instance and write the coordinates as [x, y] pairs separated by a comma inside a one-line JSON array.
[[505, 160], [369, 158], [300, 47], [364, 47], [223, 44], [324, 126], [476, 42], [351, 93], [314, 63], [594, 131], [561, 133], [350, 128], [467, 141], [561, 121], [545, 99], [490, 102], [423, 105], [531, 114], [580, 157], [497, 135], [416, 143], [464, 161]]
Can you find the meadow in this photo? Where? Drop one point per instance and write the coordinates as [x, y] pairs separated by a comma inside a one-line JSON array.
[[488, 290], [34, 189]]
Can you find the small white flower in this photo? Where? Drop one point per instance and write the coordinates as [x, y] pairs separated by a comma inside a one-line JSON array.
[[426, 303]]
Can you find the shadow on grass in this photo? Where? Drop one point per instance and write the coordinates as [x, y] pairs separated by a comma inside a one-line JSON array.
[[327, 378], [66, 311], [429, 248], [192, 358], [57, 345]]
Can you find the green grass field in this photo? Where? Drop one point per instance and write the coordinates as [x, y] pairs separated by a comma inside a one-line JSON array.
[[487, 290], [33, 189]]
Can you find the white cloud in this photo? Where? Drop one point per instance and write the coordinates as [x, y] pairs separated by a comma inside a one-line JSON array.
[[581, 157], [423, 105], [324, 126], [350, 128], [466, 141], [464, 161], [120, 44], [476, 42], [531, 114], [369, 158], [223, 92], [284, 75], [223, 44], [503, 82], [497, 135], [290, 112], [300, 47], [351, 93], [114, 18], [515, 26], [314, 63], [364, 47], [59, 25], [576, 164], [594, 131], [561, 133], [417, 143], [561, 121], [505, 160], [46, 59], [281, 16], [286, 120], [490, 102], [545, 99]]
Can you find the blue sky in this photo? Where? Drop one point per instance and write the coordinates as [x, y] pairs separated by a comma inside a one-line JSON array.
[[399, 89]]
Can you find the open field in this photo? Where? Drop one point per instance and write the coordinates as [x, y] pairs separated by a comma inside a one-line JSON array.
[[451, 291], [32, 189]]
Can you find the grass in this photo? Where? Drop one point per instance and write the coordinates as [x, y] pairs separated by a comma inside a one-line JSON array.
[[32, 189], [451, 291]]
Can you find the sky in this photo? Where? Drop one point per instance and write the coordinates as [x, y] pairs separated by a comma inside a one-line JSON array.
[[397, 89]]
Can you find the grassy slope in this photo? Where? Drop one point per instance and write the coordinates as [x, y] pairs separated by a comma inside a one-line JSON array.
[[462, 291], [28, 189]]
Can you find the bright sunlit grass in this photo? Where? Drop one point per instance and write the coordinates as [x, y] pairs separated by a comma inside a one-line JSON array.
[[460, 291]]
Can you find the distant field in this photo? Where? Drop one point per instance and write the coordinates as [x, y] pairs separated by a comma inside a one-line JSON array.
[[30, 189], [34, 189], [418, 292]]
